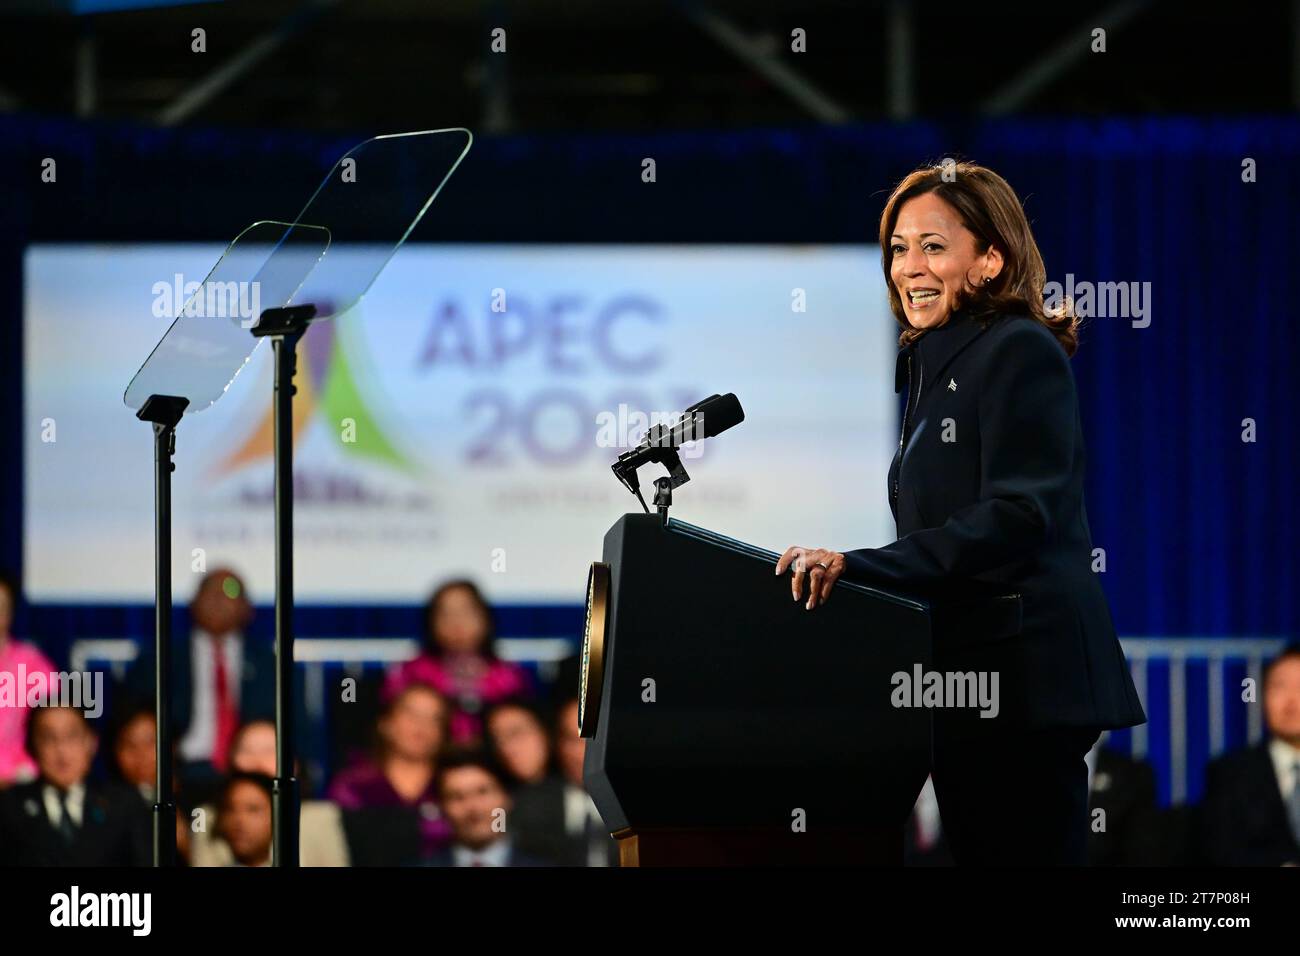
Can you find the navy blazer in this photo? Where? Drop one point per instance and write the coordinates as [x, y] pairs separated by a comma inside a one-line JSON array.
[[115, 830], [256, 680], [987, 492], [537, 823], [1243, 818]]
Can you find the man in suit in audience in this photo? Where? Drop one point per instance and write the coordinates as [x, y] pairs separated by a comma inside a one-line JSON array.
[[472, 790], [1251, 812], [221, 679], [556, 818], [1123, 822], [62, 818]]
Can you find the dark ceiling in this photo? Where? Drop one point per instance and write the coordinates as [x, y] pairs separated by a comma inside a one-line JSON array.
[[638, 64]]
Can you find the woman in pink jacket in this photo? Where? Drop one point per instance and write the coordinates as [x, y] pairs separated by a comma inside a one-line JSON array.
[[458, 660], [16, 659]]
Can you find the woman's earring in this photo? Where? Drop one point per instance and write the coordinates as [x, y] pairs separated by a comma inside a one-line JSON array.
[[988, 279]]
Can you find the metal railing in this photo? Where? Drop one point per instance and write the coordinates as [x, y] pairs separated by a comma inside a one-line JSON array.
[[1178, 652], [314, 655]]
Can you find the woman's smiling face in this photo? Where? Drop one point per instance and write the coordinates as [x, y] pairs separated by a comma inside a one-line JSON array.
[[935, 258]]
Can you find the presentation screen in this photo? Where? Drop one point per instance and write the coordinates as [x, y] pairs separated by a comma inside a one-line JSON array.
[[462, 419]]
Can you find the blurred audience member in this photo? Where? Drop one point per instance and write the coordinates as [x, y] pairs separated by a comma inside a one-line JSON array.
[[567, 680], [16, 658], [135, 763], [62, 818], [474, 798], [320, 826], [1124, 826], [519, 741], [220, 678], [135, 756], [244, 823], [555, 819], [399, 781], [458, 660], [1251, 812]]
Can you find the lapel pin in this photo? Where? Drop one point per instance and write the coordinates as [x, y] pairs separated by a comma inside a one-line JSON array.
[[952, 385]]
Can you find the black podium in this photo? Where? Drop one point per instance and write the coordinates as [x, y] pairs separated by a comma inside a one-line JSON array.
[[728, 725]]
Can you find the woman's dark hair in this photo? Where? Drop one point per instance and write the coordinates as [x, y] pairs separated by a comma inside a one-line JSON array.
[[460, 758], [386, 710], [238, 736], [125, 716], [543, 718], [35, 714], [259, 780], [430, 641], [9, 582], [532, 708], [303, 775], [990, 209]]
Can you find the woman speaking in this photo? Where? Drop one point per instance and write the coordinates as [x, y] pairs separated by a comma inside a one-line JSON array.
[[987, 493]]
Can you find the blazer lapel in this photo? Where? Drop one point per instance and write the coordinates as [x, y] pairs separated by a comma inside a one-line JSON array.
[[940, 346], [900, 366], [1269, 794]]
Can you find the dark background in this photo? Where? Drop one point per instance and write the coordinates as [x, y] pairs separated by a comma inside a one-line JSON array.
[[1129, 161]]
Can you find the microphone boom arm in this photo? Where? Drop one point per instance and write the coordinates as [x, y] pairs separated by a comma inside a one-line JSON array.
[[625, 468]]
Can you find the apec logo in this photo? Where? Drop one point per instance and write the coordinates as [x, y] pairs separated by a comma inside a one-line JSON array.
[[567, 341]]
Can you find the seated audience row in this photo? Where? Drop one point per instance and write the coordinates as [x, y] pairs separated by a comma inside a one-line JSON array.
[[465, 767]]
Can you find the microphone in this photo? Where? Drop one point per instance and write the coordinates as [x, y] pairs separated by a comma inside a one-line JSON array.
[[705, 419]]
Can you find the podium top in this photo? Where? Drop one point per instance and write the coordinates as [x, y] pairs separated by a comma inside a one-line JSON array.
[[721, 540], [365, 203]]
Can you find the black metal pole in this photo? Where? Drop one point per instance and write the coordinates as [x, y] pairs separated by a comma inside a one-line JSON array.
[[164, 412], [284, 327], [285, 793], [164, 808]]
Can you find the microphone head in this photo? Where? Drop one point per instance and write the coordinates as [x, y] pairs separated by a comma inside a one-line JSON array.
[[717, 413]]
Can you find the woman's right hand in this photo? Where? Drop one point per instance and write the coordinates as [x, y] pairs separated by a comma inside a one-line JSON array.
[[822, 566]]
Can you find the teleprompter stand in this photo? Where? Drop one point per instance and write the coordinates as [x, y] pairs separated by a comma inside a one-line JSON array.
[[164, 413], [284, 327], [360, 222]]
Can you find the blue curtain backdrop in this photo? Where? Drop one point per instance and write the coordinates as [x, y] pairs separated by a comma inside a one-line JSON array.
[[1199, 527]]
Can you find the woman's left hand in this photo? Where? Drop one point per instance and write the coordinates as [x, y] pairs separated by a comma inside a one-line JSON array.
[[823, 568]]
